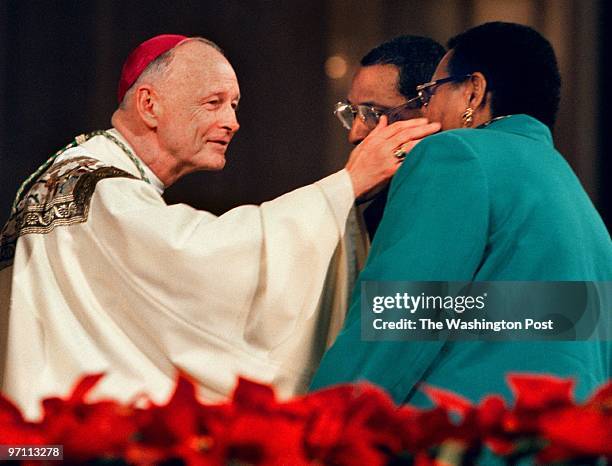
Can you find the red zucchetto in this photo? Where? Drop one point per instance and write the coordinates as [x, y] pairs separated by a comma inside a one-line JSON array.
[[141, 56]]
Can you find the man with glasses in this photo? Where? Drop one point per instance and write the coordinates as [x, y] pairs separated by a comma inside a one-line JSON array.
[[385, 84]]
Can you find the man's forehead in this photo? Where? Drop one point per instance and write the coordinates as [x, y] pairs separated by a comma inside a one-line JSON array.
[[376, 85]]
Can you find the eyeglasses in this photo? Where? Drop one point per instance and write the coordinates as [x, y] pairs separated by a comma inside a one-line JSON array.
[[369, 115], [427, 90]]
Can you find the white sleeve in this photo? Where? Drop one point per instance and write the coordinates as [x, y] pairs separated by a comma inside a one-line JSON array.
[[248, 277]]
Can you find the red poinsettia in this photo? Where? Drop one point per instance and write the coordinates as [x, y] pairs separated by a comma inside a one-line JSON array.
[[344, 425], [183, 428], [353, 425], [422, 429], [535, 395], [262, 431], [471, 426], [14, 429], [582, 430], [87, 430]]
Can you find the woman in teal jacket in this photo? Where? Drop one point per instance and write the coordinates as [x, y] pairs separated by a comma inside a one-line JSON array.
[[488, 200]]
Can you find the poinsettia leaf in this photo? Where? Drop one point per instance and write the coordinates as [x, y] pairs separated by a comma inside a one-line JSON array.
[[422, 429], [537, 391], [491, 411], [52, 406], [9, 412], [448, 400], [583, 430], [184, 392], [324, 430], [181, 414], [423, 459], [603, 396], [553, 454], [249, 394], [264, 438], [500, 447], [84, 386]]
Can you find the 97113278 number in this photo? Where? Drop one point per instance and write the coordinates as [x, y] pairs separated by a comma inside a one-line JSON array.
[[32, 452]]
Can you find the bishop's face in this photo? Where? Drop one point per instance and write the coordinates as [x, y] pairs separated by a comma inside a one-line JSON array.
[[199, 108]]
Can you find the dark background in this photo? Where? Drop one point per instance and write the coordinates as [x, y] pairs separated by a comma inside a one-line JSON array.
[[60, 62], [605, 126]]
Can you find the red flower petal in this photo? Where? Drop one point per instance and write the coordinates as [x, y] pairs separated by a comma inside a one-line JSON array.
[[83, 387], [536, 391], [448, 400], [603, 396], [491, 412], [584, 430], [181, 413], [250, 394]]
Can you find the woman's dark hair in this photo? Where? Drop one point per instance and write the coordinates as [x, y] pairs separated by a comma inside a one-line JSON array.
[[416, 58], [519, 65]]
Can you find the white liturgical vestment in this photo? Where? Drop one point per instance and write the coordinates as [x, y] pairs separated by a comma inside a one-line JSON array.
[[99, 274]]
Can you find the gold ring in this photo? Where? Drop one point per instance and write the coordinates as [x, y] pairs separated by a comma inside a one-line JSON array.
[[400, 154]]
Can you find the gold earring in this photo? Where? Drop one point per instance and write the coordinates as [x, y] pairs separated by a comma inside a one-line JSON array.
[[468, 117]]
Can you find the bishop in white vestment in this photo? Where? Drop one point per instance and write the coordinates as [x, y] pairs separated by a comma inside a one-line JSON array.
[[98, 274]]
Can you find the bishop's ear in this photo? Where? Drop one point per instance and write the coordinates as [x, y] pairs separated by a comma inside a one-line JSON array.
[[478, 90], [147, 104]]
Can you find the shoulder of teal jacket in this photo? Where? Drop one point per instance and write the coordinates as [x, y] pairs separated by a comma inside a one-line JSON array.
[[506, 149], [468, 140], [523, 127], [445, 149], [520, 125]]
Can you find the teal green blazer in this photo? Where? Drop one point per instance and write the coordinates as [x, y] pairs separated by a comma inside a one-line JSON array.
[[496, 203]]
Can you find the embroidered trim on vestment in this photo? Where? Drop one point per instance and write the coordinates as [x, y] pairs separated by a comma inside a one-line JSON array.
[[60, 197]]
